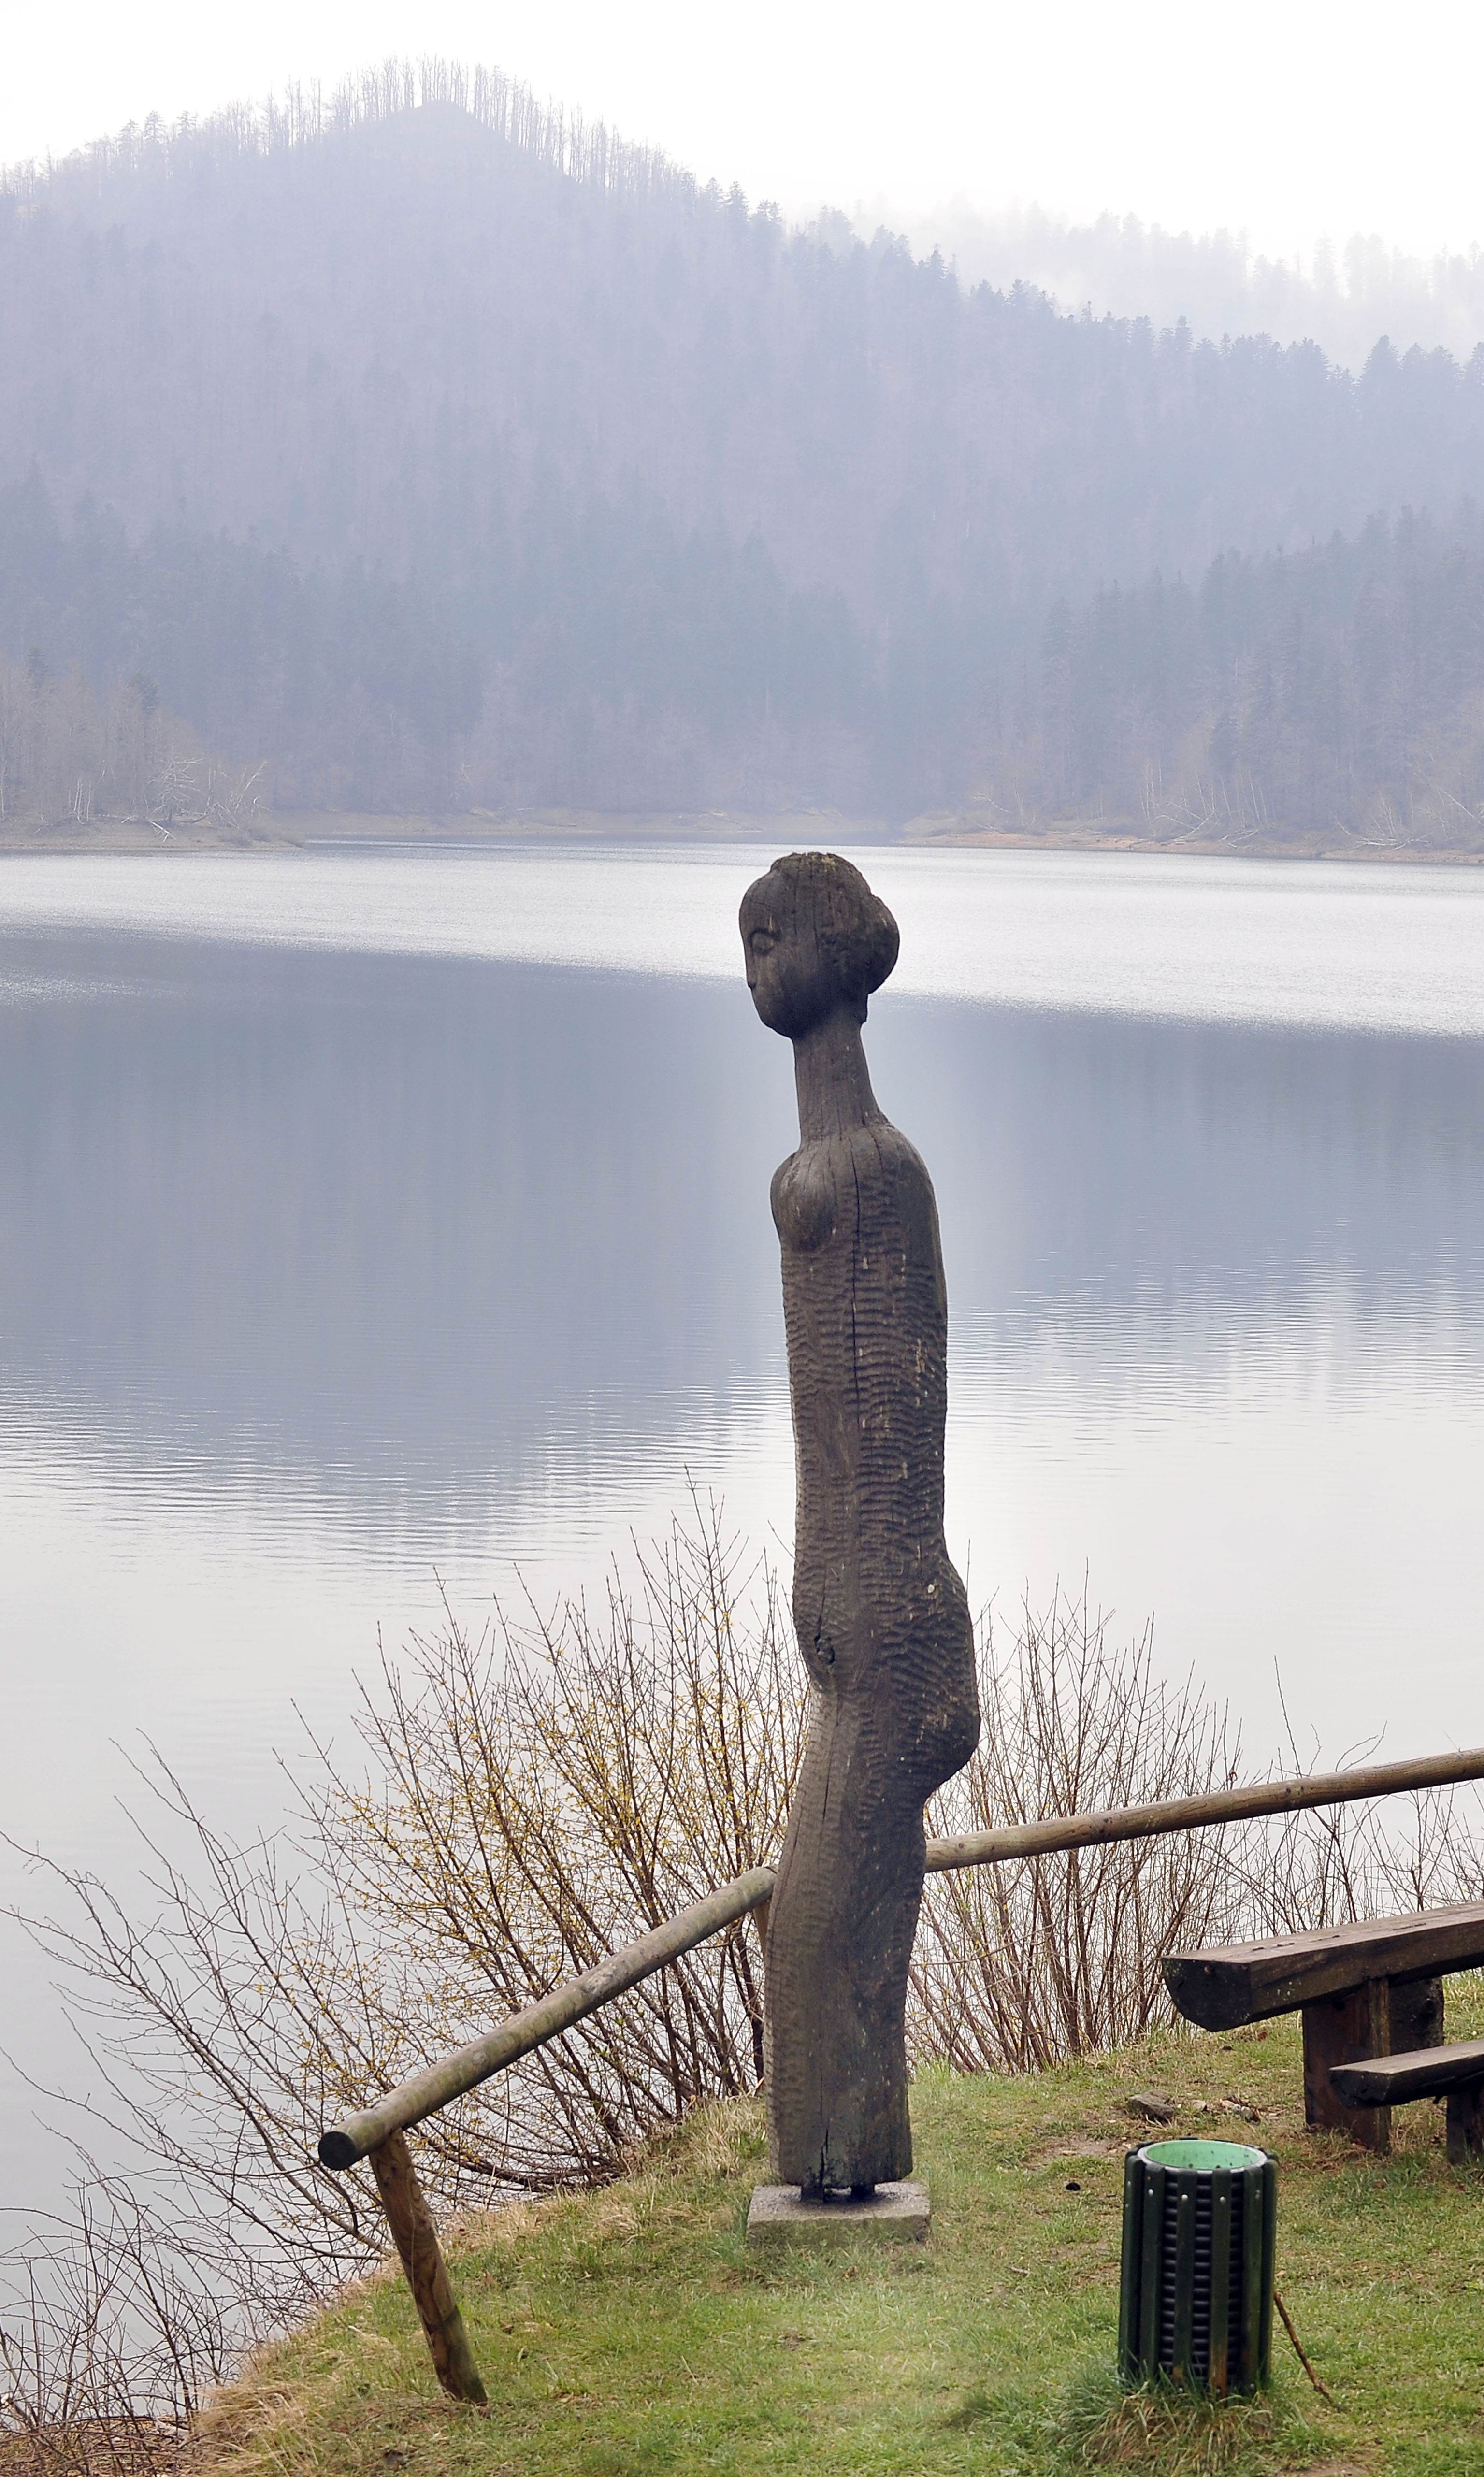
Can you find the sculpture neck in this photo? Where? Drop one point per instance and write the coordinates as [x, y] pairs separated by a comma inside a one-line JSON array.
[[832, 1077]]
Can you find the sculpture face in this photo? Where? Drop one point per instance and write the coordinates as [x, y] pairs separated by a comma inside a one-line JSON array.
[[787, 973]]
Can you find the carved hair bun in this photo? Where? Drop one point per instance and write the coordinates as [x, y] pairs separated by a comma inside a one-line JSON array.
[[856, 932]]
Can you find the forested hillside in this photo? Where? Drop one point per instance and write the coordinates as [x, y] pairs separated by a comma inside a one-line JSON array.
[[435, 450], [1338, 691], [1344, 300]]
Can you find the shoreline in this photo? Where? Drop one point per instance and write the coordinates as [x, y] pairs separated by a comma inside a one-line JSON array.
[[301, 830]]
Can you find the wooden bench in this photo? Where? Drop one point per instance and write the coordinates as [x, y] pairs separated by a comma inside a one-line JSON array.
[[1456, 2073], [1368, 1990]]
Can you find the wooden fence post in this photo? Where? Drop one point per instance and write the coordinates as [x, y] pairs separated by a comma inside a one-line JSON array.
[[427, 2273]]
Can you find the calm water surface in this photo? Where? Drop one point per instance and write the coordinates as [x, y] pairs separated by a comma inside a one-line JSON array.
[[368, 1217]]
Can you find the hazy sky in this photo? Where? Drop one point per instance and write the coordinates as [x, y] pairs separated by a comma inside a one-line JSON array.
[[1286, 117]]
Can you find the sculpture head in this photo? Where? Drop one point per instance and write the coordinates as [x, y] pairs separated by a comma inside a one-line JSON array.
[[814, 938]]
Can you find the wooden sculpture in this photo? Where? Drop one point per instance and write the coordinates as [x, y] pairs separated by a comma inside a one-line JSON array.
[[881, 1615]]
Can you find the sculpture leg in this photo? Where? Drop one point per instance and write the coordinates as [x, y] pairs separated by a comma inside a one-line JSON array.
[[840, 1941]]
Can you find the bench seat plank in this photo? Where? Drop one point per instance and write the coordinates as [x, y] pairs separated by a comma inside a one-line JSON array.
[[1231, 1984], [1425, 2072]]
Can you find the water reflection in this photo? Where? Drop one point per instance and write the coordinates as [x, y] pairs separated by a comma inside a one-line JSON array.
[[394, 1263], [390, 1233]]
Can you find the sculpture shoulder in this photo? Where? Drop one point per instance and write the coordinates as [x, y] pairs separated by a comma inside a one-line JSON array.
[[822, 1189]]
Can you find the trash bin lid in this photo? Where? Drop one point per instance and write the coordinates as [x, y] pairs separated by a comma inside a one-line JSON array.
[[1205, 2157]]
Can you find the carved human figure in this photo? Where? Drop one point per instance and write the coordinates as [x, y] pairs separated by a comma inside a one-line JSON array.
[[882, 1617]]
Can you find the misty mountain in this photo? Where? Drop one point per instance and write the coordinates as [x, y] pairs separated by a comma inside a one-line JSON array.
[[441, 449]]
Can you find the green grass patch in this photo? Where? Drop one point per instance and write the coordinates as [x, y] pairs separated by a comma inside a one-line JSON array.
[[630, 2331]]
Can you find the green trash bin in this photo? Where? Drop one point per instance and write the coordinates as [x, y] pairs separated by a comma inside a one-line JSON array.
[[1195, 2293]]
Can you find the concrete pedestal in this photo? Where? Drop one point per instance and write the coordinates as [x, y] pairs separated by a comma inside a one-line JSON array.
[[780, 2216]]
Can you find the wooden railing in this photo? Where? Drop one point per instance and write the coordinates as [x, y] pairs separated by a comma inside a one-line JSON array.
[[378, 2132]]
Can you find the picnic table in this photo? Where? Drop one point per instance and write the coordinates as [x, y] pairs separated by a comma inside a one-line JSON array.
[[1367, 1990]]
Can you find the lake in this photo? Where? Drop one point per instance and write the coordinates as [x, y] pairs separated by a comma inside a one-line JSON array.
[[372, 1220]]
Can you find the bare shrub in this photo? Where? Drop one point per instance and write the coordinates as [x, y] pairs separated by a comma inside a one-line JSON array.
[[1288, 1874], [112, 2338], [1019, 1966], [532, 1801], [549, 1794]]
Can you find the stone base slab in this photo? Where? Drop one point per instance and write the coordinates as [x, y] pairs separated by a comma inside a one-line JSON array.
[[780, 2215]]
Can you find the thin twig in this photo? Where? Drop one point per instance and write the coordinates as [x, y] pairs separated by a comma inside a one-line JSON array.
[[1288, 2325]]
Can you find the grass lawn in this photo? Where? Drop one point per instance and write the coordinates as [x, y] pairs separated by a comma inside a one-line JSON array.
[[630, 2331]]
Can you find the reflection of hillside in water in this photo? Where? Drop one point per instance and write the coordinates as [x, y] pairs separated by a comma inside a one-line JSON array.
[[430, 1243], [398, 1231], [1081, 1155]]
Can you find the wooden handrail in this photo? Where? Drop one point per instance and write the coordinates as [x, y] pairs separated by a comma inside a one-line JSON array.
[[377, 2132], [576, 1997], [427, 2092], [1193, 1813]]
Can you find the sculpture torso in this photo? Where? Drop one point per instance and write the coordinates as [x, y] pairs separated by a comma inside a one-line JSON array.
[[876, 1603]]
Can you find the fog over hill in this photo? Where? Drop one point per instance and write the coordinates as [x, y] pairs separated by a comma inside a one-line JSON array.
[[432, 447], [1345, 297]]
